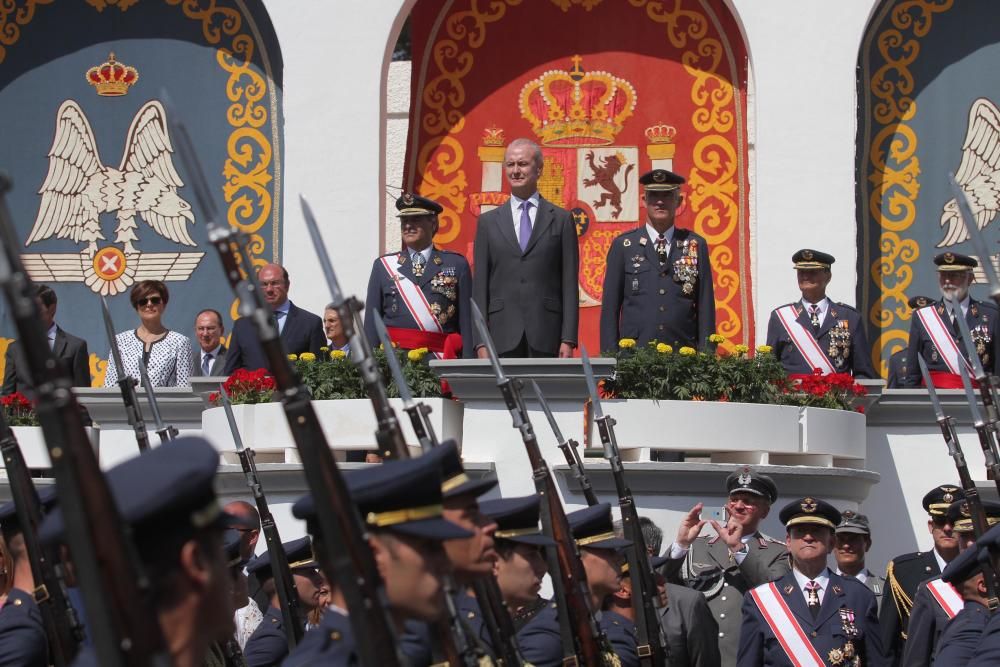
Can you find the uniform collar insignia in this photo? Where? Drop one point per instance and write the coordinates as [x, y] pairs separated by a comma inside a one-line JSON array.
[[836, 589], [973, 310], [643, 240], [789, 589], [626, 243], [437, 260], [833, 311]]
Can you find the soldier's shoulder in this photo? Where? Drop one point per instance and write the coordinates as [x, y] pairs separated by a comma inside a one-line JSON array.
[[848, 307], [765, 541], [915, 566], [682, 234], [630, 234], [988, 305]]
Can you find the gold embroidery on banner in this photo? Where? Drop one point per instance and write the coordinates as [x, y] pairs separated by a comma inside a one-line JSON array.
[[10, 30], [894, 169], [100, 5], [566, 5]]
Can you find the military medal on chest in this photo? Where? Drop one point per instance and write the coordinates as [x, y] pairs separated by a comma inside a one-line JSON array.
[[846, 655], [686, 266], [982, 337], [840, 343], [445, 283]]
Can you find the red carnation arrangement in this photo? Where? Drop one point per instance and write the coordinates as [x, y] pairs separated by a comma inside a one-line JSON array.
[[19, 410], [245, 386], [831, 390]]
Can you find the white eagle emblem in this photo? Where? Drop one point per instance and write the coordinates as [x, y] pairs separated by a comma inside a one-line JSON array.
[[978, 175], [79, 188]]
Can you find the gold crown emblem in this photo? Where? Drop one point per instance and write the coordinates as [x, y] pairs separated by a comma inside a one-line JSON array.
[[493, 136], [661, 133], [111, 78], [577, 108]]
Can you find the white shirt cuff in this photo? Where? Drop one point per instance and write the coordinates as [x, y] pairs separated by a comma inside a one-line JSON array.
[[677, 552]]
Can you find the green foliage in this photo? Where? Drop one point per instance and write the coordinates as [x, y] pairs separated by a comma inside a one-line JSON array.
[[334, 376]]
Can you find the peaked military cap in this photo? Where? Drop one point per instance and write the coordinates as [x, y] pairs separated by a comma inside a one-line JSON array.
[[852, 522], [746, 480], [661, 180], [410, 205], [952, 261], [812, 259], [937, 501], [231, 546], [959, 514], [919, 302], [809, 510], [299, 553], [990, 539], [403, 496], [966, 565], [454, 481], [164, 489], [517, 519], [592, 528]]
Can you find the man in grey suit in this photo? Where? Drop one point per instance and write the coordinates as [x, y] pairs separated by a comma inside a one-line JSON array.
[[211, 358], [526, 260], [737, 559], [69, 351]]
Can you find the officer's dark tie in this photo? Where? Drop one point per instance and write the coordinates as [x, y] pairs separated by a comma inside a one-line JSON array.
[[206, 364], [661, 248], [812, 597], [814, 316], [418, 264]]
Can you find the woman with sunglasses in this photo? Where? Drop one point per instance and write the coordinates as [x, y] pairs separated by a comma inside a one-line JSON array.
[[166, 353]]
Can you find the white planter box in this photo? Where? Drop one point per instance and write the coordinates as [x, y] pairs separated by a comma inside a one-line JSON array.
[[347, 424], [32, 444]]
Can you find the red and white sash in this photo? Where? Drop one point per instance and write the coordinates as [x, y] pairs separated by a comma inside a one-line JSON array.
[[803, 340], [414, 298], [782, 622], [943, 341], [946, 596]]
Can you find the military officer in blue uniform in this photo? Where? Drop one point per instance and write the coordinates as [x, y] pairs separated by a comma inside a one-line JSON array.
[[988, 646], [400, 502], [960, 637], [470, 558], [520, 568], [810, 609], [928, 617], [268, 645], [905, 572], [421, 292], [815, 325], [22, 633], [954, 278], [658, 280], [167, 496], [899, 362]]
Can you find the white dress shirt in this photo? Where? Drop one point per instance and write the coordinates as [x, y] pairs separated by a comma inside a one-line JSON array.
[[824, 307], [823, 579], [653, 235]]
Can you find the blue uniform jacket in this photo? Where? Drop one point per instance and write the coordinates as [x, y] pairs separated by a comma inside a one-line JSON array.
[[988, 648], [22, 635], [646, 301], [539, 639], [759, 646], [927, 621], [622, 635], [446, 283], [417, 641], [332, 643], [267, 646], [983, 320], [841, 332], [961, 636]]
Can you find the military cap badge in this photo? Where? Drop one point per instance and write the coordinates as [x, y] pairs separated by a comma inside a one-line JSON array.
[[847, 514], [808, 505], [745, 478], [807, 254], [964, 509], [948, 498], [407, 198], [659, 176]]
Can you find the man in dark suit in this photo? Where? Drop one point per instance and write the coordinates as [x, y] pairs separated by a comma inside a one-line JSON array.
[[815, 332], [658, 282], [526, 261], [905, 572], [69, 351], [810, 611], [937, 338], [208, 330], [300, 330]]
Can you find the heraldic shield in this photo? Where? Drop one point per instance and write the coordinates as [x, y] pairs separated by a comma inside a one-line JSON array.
[[99, 200], [595, 99]]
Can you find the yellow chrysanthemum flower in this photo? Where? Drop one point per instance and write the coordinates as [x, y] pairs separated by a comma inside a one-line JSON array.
[[337, 354], [416, 355], [764, 349], [307, 356], [717, 339], [626, 343], [293, 357], [740, 349], [324, 349], [688, 351], [663, 348]]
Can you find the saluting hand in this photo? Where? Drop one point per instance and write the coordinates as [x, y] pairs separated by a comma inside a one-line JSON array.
[[731, 534], [690, 527]]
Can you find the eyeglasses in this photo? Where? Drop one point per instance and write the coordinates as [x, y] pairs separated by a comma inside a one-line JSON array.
[[155, 300]]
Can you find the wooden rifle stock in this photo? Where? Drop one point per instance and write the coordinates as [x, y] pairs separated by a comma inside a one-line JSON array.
[[58, 616], [125, 631]]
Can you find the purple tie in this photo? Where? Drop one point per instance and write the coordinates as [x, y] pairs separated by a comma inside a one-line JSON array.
[[525, 229]]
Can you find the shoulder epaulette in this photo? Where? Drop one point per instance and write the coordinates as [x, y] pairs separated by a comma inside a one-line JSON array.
[[847, 306]]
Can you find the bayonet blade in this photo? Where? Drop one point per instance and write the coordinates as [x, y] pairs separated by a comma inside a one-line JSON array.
[[109, 327], [588, 371], [231, 418], [487, 341], [150, 395], [963, 328], [970, 395], [390, 356], [548, 413], [976, 236], [931, 391], [324, 258]]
